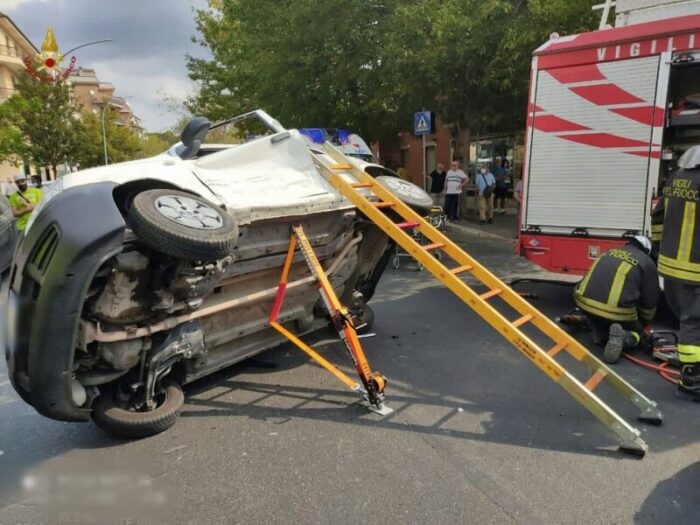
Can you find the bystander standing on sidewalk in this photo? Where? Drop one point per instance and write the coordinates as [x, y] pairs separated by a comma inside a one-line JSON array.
[[500, 193], [455, 181], [485, 185], [437, 184]]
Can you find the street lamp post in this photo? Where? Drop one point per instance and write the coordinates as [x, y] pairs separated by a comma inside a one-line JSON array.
[[104, 134], [104, 131]]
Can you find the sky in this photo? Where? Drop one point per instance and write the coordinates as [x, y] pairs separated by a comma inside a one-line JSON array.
[[144, 61]]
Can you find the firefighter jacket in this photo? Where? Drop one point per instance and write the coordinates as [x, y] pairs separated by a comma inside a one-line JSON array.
[[679, 255], [622, 285], [657, 221]]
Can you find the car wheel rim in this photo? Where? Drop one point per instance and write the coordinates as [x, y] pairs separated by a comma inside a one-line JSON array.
[[406, 188], [189, 212]]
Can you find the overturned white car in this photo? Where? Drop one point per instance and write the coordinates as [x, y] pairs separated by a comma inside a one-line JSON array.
[[136, 278]]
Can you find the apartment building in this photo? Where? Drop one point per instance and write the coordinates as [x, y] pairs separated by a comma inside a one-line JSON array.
[[94, 95], [14, 46]]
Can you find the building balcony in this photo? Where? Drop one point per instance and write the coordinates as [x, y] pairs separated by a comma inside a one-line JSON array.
[[6, 93], [11, 57], [11, 52]]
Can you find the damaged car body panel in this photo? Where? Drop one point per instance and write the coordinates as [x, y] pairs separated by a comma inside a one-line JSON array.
[[136, 278]]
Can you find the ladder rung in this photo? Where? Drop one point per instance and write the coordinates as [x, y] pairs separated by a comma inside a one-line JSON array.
[[524, 319], [406, 225], [461, 269], [340, 166], [595, 379], [556, 349], [385, 204], [361, 184], [433, 246], [490, 293]]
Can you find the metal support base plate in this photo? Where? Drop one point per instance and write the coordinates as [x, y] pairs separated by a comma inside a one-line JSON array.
[[382, 410]]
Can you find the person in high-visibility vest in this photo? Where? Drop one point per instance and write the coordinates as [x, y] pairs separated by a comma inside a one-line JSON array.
[[619, 294], [23, 201], [679, 264]]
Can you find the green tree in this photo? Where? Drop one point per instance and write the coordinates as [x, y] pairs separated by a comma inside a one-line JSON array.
[[46, 118], [12, 146], [369, 64], [122, 143], [155, 143], [470, 59], [307, 62]]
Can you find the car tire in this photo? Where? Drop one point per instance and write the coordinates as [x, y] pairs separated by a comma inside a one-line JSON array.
[[123, 423], [182, 225], [409, 193]]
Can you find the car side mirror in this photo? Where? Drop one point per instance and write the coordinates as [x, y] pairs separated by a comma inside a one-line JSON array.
[[192, 136]]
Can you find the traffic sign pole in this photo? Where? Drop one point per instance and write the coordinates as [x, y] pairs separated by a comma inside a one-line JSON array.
[[425, 167], [423, 125]]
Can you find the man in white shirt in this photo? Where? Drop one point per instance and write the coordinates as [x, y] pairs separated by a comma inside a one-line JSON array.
[[455, 181]]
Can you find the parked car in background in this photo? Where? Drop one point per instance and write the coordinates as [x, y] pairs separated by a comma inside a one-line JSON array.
[[146, 275], [351, 144], [8, 234]]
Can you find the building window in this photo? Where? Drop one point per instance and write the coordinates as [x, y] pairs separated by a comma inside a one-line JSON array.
[[430, 159], [404, 157]]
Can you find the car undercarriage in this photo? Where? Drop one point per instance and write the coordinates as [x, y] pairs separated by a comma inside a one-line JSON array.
[[164, 285]]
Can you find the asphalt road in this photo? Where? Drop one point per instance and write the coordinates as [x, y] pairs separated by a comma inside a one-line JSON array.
[[479, 436]]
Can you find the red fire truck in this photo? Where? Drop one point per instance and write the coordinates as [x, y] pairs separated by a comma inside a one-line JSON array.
[[609, 114]]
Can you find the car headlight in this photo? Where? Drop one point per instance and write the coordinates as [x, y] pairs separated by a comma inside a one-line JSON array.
[[48, 194]]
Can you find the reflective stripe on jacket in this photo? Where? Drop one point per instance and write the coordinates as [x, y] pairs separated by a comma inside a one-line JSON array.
[[679, 255], [622, 285], [657, 220]]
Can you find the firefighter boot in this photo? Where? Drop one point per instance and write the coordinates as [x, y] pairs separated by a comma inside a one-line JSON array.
[[619, 339], [689, 384]]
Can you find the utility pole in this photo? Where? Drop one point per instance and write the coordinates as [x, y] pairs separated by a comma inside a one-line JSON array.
[[104, 133]]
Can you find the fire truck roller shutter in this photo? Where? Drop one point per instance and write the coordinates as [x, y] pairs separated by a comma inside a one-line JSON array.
[[591, 146]]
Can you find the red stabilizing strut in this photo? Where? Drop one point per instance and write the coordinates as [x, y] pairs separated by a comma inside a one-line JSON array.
[[278, 302]]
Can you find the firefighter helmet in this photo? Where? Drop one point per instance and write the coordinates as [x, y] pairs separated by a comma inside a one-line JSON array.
[[643, 242], [690, 159]]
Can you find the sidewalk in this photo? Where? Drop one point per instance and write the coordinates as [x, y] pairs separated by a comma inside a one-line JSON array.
[[503, 226]]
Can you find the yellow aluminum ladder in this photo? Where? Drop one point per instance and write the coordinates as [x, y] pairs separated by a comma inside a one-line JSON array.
[[347, 178]]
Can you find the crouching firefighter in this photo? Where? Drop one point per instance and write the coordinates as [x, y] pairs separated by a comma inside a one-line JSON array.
[[619, 294], [679, 264]]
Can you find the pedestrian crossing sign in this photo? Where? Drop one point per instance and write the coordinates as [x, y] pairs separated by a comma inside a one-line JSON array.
[[422, 123]]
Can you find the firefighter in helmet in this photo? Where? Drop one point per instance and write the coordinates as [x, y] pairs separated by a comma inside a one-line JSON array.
[[679, 264], [619, 294]]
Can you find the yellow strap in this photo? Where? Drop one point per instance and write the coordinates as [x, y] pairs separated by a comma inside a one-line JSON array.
[[689, 353], [679, 265], [584, 283], [685, 244], [603, 310], [683, 275], [618, 283], [685, 271]]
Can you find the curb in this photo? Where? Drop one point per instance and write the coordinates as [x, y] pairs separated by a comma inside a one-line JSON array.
[[477, 232]]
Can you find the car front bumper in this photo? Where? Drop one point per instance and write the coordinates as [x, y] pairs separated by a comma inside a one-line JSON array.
[[53, 267]]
